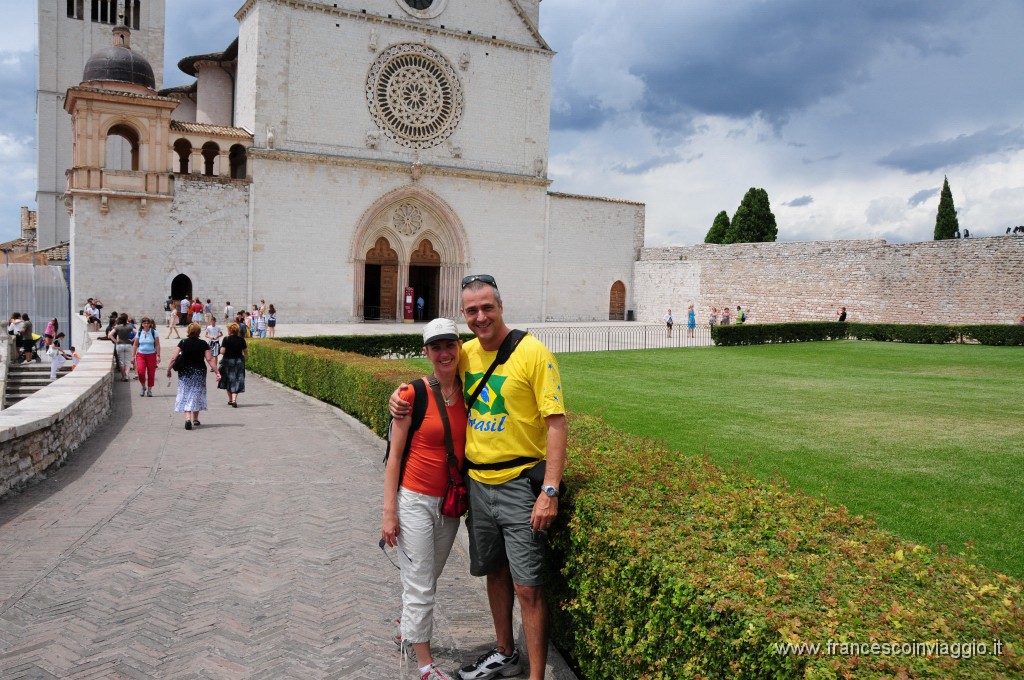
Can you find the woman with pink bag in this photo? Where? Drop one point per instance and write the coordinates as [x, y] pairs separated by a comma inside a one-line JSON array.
[[416, 481]]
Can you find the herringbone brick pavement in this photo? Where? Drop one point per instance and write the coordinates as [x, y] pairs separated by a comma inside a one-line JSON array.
[[244, 549]]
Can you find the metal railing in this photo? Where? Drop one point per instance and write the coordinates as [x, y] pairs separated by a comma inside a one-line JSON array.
[[626, 336]]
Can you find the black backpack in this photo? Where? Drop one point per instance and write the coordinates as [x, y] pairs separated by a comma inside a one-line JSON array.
[[419, 410]]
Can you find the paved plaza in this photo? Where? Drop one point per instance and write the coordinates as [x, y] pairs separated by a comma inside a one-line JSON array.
[[244, 549]]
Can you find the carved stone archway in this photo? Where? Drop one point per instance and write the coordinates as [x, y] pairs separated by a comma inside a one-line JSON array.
[[430, 247]]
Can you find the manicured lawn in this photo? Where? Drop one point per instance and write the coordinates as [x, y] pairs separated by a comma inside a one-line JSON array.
[[928, 440]]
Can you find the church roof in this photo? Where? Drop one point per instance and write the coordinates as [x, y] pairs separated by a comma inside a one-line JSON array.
[[595, 198], [207, 129], [118, 63], [188, 64], [58, 252]]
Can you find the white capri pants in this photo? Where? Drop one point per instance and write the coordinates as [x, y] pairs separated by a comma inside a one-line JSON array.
[[124, 354], [425, 539]]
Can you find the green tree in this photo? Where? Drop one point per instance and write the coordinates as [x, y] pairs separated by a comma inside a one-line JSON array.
[[946, 224], [754, 221], [718, 230]]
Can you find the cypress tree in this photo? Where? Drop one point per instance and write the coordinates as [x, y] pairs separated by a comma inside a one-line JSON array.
[[718, 230], [946, 224], [754, 221]]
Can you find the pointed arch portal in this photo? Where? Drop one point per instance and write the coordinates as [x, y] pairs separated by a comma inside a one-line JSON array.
[[408, 238]]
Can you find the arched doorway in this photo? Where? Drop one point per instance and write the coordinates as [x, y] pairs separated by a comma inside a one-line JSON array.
[[181, 286], [617, 302], [426, 242], [381, 282], [424, 276]]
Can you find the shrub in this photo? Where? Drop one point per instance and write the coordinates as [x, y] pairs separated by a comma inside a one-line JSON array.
[[671, 567], [996, 334], [356, 384], [762, 333], [806, 331], [388, 346]]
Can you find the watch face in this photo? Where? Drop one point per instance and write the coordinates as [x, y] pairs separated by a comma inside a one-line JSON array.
[[419, 4]]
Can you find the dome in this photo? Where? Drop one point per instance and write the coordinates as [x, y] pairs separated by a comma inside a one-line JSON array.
[[119, 64]]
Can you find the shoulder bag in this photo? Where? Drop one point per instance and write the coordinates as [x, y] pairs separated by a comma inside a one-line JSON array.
[[456, 498]]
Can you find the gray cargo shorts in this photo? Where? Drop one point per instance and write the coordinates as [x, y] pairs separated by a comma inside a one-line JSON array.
[[500, 531]]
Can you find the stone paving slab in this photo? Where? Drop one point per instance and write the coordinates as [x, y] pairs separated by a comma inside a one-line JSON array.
[[244, 549]]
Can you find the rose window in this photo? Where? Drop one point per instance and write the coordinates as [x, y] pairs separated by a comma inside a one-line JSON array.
[[408, 219], [414, 96]]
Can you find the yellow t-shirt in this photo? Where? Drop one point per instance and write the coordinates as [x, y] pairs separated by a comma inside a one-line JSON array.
[[507, 420]]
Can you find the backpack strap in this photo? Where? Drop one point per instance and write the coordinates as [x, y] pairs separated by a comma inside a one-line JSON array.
[[508, 345], [419, 410]]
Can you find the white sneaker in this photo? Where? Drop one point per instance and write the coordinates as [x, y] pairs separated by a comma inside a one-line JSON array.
[[435, 673], [492, 664]]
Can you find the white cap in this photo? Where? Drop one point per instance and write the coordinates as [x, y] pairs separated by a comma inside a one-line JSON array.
[[440, 329]]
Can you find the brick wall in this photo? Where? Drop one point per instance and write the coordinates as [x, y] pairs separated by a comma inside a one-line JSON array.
[[957, 281]]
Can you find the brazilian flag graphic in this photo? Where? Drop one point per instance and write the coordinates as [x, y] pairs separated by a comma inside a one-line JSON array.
[[490, 401]]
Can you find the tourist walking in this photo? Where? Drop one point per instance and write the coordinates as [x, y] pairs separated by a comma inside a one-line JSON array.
[[726, 320], [842, 314], [191, 396], [713, 319], [691, 321], [233, 352], [228, 312], [184, 309], [271, 320], [415, 485], [172, 326], [668, 323], [741, 316], [146, 351], [197, 311], [168, 306], [213, 335], [121, 336]]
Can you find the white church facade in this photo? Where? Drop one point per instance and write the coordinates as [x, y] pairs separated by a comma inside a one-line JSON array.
[[333, 155]]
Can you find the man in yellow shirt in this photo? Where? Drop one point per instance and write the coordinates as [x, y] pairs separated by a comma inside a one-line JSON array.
[[516, 424]]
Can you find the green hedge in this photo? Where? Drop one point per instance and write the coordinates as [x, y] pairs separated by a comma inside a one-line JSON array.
[[759, 334], [387, 346], [674, 568], [667, 567], [354, 383]]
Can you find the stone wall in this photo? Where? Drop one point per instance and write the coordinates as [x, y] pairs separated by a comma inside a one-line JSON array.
[[592, 243], [957, 281], [42, 431]]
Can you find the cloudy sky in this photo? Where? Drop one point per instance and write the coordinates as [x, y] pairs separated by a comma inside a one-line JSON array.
[[849, 114]]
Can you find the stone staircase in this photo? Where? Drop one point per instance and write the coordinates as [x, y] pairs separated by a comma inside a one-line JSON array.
[[24, 380]]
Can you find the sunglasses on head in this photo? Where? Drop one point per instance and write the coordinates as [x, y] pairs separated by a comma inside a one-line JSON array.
[[484, 278]]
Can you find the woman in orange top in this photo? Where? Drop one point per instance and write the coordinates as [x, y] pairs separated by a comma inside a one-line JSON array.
[[413, 493]]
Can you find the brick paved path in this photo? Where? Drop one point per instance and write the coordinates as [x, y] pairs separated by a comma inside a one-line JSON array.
[[246, 549]]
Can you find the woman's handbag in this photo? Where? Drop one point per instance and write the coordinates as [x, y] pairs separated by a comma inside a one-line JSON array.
[[456, 497]]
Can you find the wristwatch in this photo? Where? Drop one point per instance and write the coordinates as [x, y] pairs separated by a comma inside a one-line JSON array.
[[551, 491]]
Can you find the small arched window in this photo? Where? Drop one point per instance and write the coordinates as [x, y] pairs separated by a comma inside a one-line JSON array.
[[122, 148], [183, 148], [210, 153], [237, 158]]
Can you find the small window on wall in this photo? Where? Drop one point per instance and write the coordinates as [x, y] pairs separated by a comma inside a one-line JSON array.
[[210, 153], [104, 11], [131, 13], [76, 9], [183, 148], [236, 156]]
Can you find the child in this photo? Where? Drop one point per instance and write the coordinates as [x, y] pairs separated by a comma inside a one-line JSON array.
[[58, 357], [74, 358]]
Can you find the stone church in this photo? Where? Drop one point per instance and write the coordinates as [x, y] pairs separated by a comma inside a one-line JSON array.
[[332, 156]]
